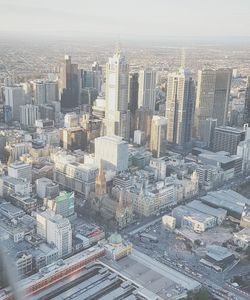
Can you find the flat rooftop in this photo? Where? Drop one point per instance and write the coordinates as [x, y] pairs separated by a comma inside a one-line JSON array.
[[227, 199], [96, 281], [198, 205], [113, 139], [144, 271], [218, 253], [189, 211], [229, 129]]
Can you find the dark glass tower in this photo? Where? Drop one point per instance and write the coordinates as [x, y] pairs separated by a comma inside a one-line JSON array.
[[69, 85]]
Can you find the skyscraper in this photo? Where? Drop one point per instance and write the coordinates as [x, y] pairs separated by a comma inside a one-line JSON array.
[[180, 108], [116, 111], [69, 84], [247, 102], [39, 92], [147, 84], [221, 95], [133, 100], [133, 92], [158, 135], [14, 97], [204, 98], [212, 97], [28, 115], [207, 129], [51, 91]]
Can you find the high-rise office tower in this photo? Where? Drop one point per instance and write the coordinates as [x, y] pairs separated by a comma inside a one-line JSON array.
[[92, 79], [39, 92], [221, 95], [212, 97], [14, 98], [204, 98], [45, 91], [158, 135], [116, 111], [51, 91], [69, 84], [247, 102], [143, 120], [28, 115], [180, 108], [206, 130], [228, 138], [98, 78], [147, 85], [133, 100]]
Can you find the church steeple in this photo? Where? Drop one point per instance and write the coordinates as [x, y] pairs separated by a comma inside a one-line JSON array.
[[101, 183]]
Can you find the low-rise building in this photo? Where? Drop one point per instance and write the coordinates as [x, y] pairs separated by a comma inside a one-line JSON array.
[[242, 238], [116, 248], [219, 213], [218, 257], [193, 219], [233, 202], [168, 222]]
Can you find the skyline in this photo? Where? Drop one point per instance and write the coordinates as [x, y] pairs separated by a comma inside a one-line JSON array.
[[143, 19]]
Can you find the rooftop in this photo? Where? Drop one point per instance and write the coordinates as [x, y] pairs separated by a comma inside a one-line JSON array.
[[229, 129], [113, 139], [198, 205], [218, 253]]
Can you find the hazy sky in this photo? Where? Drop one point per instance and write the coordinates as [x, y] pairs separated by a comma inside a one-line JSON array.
[[127, 17]]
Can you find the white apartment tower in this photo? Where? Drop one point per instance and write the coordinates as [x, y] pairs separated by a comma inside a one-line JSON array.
[[147, 85], [55, 229], [116, 95]]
